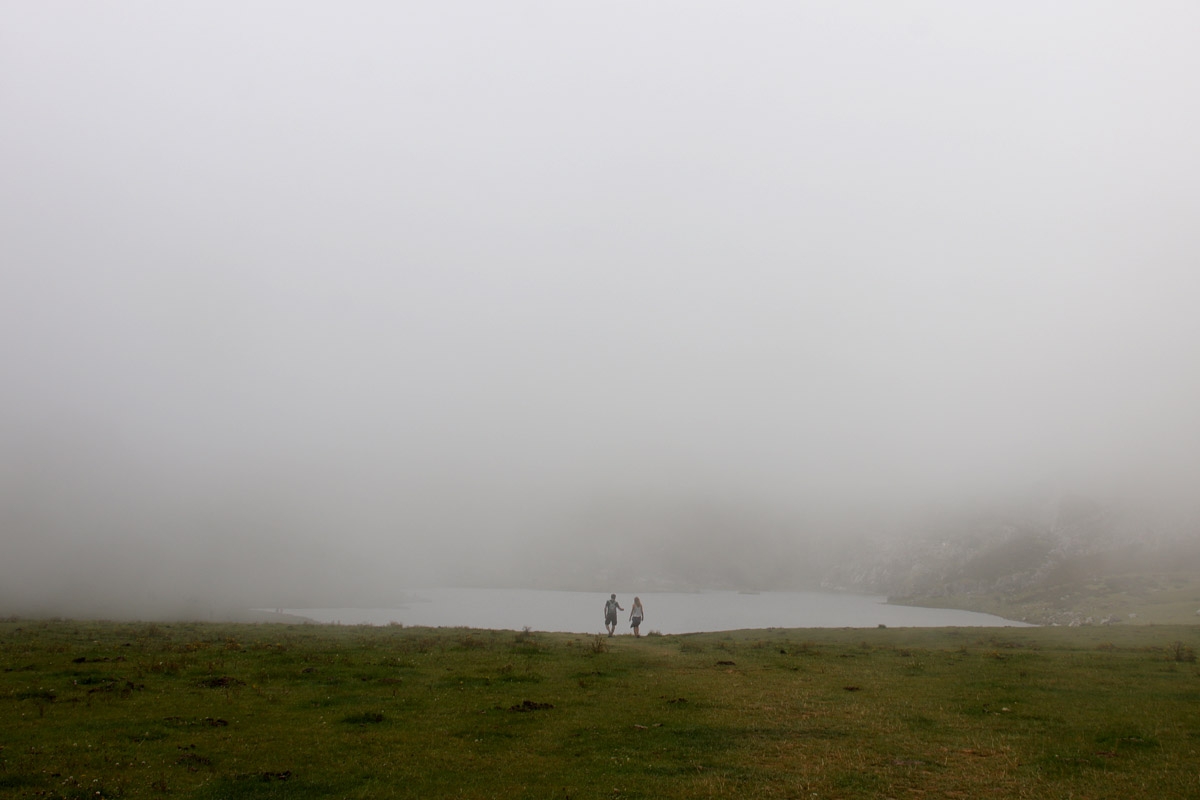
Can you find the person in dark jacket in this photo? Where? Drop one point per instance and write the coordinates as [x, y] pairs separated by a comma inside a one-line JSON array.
[[610, 614]]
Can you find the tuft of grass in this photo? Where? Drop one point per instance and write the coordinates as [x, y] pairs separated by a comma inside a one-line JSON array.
[[1178, 651]]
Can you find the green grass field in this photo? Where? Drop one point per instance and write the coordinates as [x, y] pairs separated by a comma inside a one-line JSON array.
[[107, 710]]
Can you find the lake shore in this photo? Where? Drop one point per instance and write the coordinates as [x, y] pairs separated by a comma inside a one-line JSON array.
[[667, 612]]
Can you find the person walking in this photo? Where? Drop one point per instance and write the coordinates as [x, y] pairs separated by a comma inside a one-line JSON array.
[[610, 614], [636, 615]]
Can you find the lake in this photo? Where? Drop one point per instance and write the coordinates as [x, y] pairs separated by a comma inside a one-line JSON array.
[[666, 612]]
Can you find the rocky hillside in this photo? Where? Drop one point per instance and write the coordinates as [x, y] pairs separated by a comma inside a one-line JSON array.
[[1085, 564]]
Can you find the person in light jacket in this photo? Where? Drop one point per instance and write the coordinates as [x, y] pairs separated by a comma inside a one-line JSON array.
[[636, 615]]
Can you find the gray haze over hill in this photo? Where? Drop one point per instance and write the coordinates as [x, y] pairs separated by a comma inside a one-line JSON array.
[[309, 303]]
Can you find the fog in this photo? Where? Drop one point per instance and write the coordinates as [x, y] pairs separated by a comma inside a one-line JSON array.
[[310, 303]]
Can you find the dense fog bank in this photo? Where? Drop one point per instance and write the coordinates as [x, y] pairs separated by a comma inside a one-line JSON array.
[[308, 304]]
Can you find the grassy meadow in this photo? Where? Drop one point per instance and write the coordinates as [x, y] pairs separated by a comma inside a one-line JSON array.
[[136, 710]]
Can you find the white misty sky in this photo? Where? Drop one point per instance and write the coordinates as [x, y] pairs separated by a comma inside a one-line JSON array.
[[402, 277]]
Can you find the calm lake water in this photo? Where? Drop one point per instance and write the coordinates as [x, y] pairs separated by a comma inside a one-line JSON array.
[[666, 612]]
